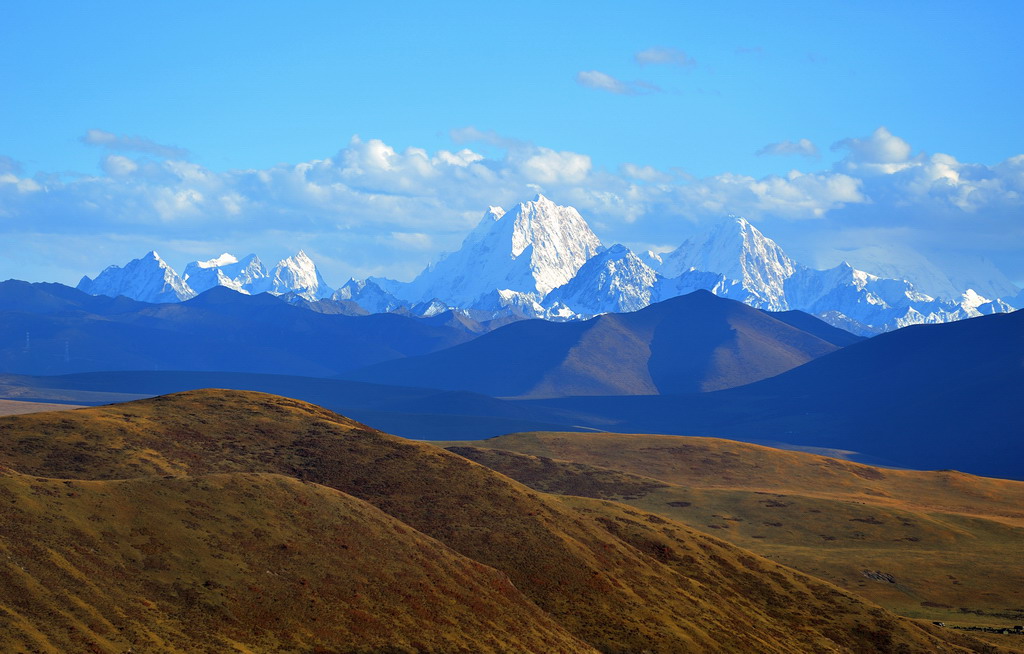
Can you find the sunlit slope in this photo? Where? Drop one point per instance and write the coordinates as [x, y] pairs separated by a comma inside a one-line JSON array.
[[721, 463], [945, 546], [619, 578], [241, 562]]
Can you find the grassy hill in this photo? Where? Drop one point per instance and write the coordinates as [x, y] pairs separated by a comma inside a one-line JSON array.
[[617, 578], [239, 563], [936, 545]]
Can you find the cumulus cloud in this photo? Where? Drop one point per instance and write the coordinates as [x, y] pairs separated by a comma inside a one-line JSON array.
[[665, 56], [881, 152], [385, 211], [121, 143], [595, 79], [803, 147]]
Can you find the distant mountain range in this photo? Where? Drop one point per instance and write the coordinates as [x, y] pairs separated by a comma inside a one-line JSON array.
[[693, 343], [541, 260], [54, 329], [927, 396]]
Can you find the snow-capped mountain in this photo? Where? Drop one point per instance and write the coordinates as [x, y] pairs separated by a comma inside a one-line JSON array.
[[612, 281], [226, 270], [369, 295], [147, 279], [735, 260], [739, 251], [530, 250], [296, 274], [542, 260], [150, 279], [946, 282]]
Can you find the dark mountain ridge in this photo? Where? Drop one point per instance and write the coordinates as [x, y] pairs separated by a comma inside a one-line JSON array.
[[53, 329], [692, 343]]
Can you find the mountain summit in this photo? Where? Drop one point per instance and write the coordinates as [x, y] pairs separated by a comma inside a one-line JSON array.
[[529, 250], [147, 279], [739, 251]]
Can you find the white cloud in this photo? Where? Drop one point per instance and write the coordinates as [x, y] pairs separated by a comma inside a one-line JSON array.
[[595, 79], [668, 56], [803, 147], [546, 166], [121, 143], [117, 166], [385, 211], [881, 152]]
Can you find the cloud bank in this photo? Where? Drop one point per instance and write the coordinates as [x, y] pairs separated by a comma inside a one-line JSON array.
[[372, 209]]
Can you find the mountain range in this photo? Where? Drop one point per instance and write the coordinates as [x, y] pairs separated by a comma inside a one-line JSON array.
[[926, 396], [692, 343], [542, 260]]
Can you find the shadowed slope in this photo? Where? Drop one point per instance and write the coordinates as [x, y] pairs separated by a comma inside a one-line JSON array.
[[620, 579], [696, 342], [220, 329], [926, 396], [241, 562]]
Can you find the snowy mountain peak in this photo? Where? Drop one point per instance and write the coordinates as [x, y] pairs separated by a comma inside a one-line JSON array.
[[298, 274], [226, 270], [531, 249], [736, 249], [147, 279], [613, 281]]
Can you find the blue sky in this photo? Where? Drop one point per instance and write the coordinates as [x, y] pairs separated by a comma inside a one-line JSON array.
[[123, 127]]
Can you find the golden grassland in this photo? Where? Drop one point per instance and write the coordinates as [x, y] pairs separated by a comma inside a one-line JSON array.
[[18, 407], [241, 562], [127, 524], [937, 545]]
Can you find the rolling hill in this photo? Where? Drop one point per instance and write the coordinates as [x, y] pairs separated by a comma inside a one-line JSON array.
[[693, 343], [617, 578], [935, 545]]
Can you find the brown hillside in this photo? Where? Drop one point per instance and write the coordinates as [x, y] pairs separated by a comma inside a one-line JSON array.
[[719, 463], [941, 546], [618, 578], [238, 563]]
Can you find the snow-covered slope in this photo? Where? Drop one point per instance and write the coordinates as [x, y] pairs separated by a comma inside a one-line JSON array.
[[613, 281], [226, 270], [148, 279], [946, 282], [296, 274], [368, 295], [530, 250], [739, 251]]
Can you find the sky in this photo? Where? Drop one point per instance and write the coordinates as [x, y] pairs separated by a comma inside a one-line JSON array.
[[374, 136]]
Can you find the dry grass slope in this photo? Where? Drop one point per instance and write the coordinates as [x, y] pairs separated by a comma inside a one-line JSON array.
[[944, 544], [241, 562], [618, 578]]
